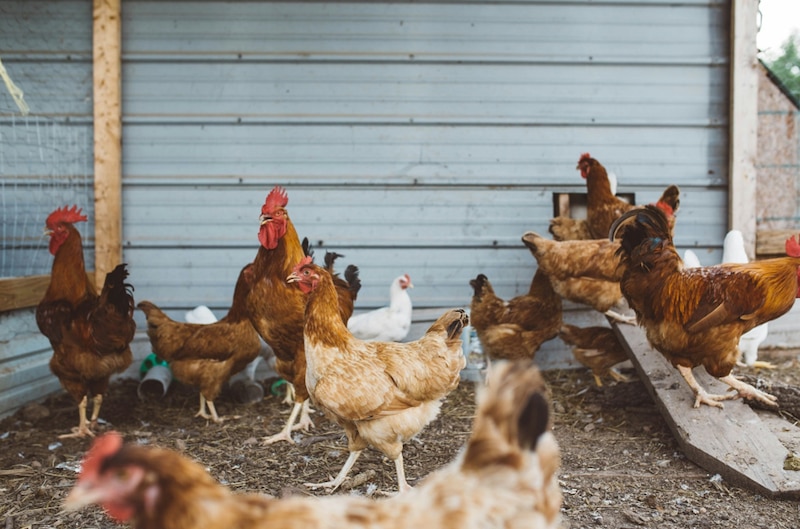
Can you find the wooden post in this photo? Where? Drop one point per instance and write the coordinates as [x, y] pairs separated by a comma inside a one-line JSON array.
[[743, 123], [107, 79]]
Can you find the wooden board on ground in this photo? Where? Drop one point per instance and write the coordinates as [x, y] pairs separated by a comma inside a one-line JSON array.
[[733, 442]]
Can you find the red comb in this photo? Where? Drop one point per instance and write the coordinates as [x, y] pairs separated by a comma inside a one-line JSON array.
[[65, 214], [666, 208], [584, 156], [304, 261], [103, 447], [277, 198], [792, 247]]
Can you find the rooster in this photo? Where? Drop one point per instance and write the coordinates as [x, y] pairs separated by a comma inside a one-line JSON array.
[[381, 393], [696, 316], [276, 308], [386, 324], [516, 328], [733, 252], [602, 206], [505, 477], [206, 355], [90, 333]]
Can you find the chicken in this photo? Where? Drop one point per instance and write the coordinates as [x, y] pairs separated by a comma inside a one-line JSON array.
[[206, 355], [583, 272], [381, 393], [516, 328], [386, 324], [602, 206], [90, 334], [597, 348], [276, 308], [696, 316], [733, 252], [505, 477]]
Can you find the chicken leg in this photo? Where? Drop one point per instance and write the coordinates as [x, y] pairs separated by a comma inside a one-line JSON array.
[[340, 477], [743, 390], [82, 430], [304, 423]]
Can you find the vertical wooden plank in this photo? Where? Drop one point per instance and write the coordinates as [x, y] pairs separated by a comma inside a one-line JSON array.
[[743, 122], [107, 136]]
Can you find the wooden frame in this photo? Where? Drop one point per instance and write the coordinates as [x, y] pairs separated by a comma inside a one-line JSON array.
[[743, 122]]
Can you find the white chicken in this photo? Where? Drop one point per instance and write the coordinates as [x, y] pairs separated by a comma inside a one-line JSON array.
[[733, 252], [386, 324]]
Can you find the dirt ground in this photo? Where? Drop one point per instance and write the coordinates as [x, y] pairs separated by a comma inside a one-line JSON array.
[[621, 466]]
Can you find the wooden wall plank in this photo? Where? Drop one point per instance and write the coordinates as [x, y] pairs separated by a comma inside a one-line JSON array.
[[107, 135]]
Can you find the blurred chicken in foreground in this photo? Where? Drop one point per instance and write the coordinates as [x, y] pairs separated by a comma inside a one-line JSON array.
[[696, 316], [381, 393], [597, 348], [506, 477]]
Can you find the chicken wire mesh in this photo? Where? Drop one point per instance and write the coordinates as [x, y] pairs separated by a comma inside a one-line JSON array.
[[45, 163]]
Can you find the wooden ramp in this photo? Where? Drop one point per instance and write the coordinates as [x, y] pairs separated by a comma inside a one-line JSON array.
[[736, 443]]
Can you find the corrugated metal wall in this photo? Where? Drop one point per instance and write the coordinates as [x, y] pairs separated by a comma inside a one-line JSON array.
[[411, 137]]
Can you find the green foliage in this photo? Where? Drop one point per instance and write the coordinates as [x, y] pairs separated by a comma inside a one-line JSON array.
[[787, 66]]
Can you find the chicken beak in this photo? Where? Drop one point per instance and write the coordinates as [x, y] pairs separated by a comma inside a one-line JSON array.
[[293, 278], [264, 219], [82, 495], [48, 231]]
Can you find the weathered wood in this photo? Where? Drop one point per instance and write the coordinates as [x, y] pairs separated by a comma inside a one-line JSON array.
[[107, 66], [770, 243], [732, 442], [22, 292], [743, 146]]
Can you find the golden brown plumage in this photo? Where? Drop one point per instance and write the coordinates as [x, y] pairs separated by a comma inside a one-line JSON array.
[[206, 355], [515, 329], [381, 393], [276, 308], [597, 348], [90, 333], [695, 316], [583, 272], [505, 478]]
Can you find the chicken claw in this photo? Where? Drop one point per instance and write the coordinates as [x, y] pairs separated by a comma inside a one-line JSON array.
[[746, 391]]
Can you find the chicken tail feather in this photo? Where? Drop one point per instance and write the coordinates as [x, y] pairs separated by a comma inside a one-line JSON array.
[[116, 292], [512, 417], [351, 276]]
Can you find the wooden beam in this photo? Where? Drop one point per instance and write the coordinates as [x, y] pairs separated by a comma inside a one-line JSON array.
[[732, 442], [25, 292], [743, 122], [771, 243], [107, 79]]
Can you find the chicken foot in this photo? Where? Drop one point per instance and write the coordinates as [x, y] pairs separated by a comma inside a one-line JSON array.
[[299, 408], [212, 411], [82, 430], [620, 318], [746, 391], [340, 477]]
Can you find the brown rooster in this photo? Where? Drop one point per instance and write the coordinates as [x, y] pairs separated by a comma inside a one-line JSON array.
[[381, 393], [506, 477], [597, 348], [90, 333], [276, 308], [695, 316], [603, 207], [515, 329], [207, 355]]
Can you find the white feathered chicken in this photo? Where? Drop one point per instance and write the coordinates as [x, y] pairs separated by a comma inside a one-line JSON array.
[[733, 252], [386, 324]]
